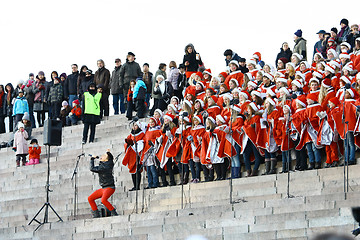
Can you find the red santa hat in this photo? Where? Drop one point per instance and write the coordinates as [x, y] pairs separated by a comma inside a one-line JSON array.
[[269, 76], [270, 91], [249, 76], [345, 79], [187, 102], [354, 94], [191, 90], [234, 62], [336, 63], [252, 61], [256, 93], [317, 74], [245, 94], [301, 100], [199, 74], [280, 79], [348, 67], [300, 74], [169, 116], [330, 69], [173, 107], [314, 80], [208, 71], [253, 106], [235, 81], [211, 119], [159, 112], [280, 74], [224, 74], [201, 102], [312, 96], [221, 118], [252, 83], [285, 91], [215, 98], [201, 84], [307, 65], [335, 101], [236, 107], [236, 90], [176, 98], [290, 64], [297, 83], [271, 101], [199, 118], [344, 55], [346, 44], [157, 122], [300, 57], [257, 56], [228, 95], [326, 82]]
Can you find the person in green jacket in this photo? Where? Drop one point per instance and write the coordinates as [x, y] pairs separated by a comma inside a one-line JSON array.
[[91, 113]]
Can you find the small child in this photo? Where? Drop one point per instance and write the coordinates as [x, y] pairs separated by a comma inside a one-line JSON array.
[[64, 112], [75, 114], [20, 145], [34, 152]]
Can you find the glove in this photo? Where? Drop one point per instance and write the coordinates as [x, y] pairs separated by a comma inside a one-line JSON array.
[[253, 125], [150, 143], [14, 149], [129, 142], [189, 138], [168, 134], [242, 116], [321, 115], [177, 135], [205, 114]]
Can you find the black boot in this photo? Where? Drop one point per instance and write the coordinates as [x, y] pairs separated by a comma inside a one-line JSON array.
[[186, 177], [267, 167], [272, 166], [113, 212], [95, 214], [206, 173], [211, 174], [312, 166], [318, 165], [217, 169]]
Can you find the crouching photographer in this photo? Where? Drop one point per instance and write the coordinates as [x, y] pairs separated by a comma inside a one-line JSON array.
[[106, 180]]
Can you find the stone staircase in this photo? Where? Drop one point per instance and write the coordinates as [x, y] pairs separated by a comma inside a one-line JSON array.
[[260, 210]]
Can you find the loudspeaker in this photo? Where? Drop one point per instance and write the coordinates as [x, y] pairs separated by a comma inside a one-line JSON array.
[[52, 132]]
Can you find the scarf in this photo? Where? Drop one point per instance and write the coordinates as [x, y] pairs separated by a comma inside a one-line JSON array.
[[1, 96], [8, 97]]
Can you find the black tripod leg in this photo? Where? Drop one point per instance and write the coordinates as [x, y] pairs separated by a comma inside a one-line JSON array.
[[55, 212], [34, 218]]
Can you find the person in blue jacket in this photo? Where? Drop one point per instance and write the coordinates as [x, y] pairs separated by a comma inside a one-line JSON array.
[[139, 97], [21, 106]]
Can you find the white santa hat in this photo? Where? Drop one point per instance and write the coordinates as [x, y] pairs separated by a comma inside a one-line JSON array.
[[291, 64], [228, 95], [202, 104], [346, 44], [280, 79], [187, 102], [271, 101], [252, 61], [301, 103], [345, 79], [211, 119], [159, 111], [221, 118], [172, 106], [348, 67], [297, 83], [256, 93], [307, 65], [300, 57], [280, 74], [235, 81], [333, 52], [252, 83], [284, 90], [269, 76], [236, 108], [317, 74], [234, 62], [330, 69], [253, 106], [314, 80], [270, 92], [249, 76], [300, 74], [344, 55]]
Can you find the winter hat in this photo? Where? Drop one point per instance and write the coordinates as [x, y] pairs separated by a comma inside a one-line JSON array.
[[320, 55], [344, 21], [300, 57], [131, 54], [269, 76], [191, 90], [201, 84], [20, 125], [307, 65], [334, 29], [253, 106], [76, 101], [257, 56], [345, 79], [333, 52], [297, 83], [221, 118], [290, 64], [211, 119], [208, 71], [228, 95], [228, 52], [159, 112], [312, 96], [202, 104], [89, 71], [199, 74], [245, 94], [348, 67], [256, 93], [63, 75], [300, 74], [334, 63], [252, 61], [224, 74], [354, 94], [280, 74], [326, 82], [317, 74], [26, 116], [252, 83], [169, 116], [269, 91], [173, 107], [302, 100], [331, 39], [280, 79], [199, 118], [330, 69], [284, 60], [235, 81], [285, 90], [335, 101], [236, 108], [271, 101], [41, 73], [298, 33], [250, 77], [234, 62], [215, 98], [64, 104], [314, 80], [157, 122], [187, 102], [31, 74], [175, 97], [344, 55]]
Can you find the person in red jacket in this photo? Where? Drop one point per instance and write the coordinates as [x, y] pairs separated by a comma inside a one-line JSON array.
[[75, 114], [34, 152]]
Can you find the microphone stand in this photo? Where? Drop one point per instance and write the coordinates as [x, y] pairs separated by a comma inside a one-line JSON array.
[[137, 172], [182, 167], [74, 175], [345, 146], [288, 122], [231, 143], [117, 157], [151, 151]]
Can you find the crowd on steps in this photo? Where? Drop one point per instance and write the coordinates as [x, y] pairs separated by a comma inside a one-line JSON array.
[[304, 107]]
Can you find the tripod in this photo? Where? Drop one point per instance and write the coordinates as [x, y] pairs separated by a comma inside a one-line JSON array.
[[47, 203], [75, 184], [288, 122]]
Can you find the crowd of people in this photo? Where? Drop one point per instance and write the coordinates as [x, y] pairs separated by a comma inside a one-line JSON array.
[[251, 113]]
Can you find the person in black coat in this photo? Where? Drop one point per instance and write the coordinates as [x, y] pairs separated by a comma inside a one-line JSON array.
[[285, 52], [9, 96], [230, 55], [182, 82], [107, 183], [85, 83], [2, 109], [164, 88], [191, 60]]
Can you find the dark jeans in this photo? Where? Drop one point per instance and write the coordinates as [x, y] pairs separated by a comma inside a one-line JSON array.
[[116, 99], [208, 173], [71, 99], [147, 99], [155, 106], [55, 110], [170, 172], [18, 118], [350, 148], [153, 177], [195, 168], [105, 101], [130, 109], [141, 108], [72, 120], [313, 152], [92, 127], [250, 148], [11, 123], [2, 124], [31, 114], [40, 118]]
